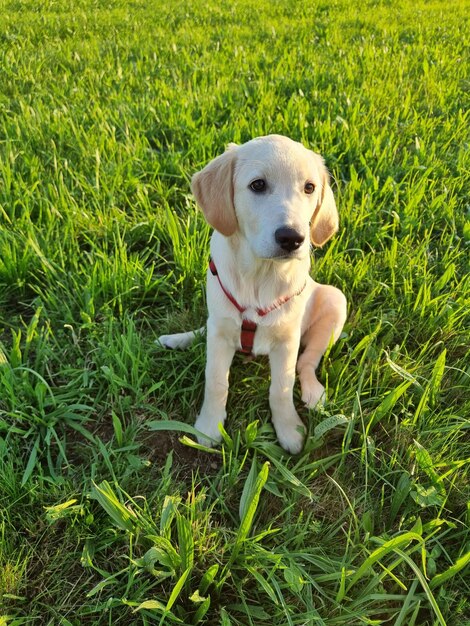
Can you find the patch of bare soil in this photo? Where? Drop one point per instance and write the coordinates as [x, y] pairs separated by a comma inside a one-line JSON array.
[[186, 460]]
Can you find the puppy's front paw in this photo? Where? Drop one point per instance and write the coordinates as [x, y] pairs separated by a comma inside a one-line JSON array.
[[313, 393], [290, 432], [208, 424]]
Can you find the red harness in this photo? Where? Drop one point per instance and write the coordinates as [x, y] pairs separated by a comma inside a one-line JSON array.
[[248, 328]]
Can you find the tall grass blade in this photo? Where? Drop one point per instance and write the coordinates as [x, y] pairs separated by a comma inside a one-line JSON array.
[[449, 573], [392, 545], [208, 578], [248, 510], [387, 404], [424, 583], [177, 589], [168, 425], [185, 541], [31, 464], [437, 374], [248, 488], [123, 517]]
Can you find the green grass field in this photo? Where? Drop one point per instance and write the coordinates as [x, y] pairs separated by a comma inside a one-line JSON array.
[[109, 514]]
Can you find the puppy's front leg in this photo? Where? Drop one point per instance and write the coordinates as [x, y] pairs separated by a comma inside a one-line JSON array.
[[219, 358], [289, 427]]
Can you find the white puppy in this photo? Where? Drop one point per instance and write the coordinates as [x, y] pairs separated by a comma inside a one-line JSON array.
[[266, 200]]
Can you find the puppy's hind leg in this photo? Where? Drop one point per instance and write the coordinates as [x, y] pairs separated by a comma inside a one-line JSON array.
[[180, 341], [327, 320]]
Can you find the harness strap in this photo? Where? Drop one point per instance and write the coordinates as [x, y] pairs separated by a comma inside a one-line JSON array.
[[248, 329], [214, 272], [247, 337]]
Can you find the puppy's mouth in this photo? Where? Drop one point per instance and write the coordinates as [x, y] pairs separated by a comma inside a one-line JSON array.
[[289, 255]]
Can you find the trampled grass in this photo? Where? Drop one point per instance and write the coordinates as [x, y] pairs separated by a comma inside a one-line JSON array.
[[109, 512]]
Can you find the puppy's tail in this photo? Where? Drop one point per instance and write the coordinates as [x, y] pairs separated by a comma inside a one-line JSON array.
[[180, 341]]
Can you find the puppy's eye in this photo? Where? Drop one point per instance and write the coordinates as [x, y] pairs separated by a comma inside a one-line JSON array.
[[309, 188], [258, 185]]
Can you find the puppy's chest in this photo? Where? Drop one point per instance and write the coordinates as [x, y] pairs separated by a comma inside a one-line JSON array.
[[258, 336], [263, 340]]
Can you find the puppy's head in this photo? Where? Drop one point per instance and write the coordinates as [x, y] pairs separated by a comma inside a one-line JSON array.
[[272, 191]]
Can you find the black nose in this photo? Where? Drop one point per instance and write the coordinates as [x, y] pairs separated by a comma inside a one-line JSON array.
[[289, 239]]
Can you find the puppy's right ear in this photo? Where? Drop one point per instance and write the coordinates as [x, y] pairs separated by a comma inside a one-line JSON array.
[[213, 190]]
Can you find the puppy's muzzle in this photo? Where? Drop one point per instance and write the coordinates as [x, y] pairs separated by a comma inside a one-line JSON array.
[[288, 238]]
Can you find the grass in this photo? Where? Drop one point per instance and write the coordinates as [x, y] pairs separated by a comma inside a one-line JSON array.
[[109, 511]]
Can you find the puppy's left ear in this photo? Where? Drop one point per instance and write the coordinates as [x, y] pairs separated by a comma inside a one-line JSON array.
[[325, 220]]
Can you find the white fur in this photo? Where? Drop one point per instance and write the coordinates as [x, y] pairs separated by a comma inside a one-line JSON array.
[[255, 269]]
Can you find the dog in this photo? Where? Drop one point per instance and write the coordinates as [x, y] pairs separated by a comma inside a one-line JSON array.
[[267, 201]]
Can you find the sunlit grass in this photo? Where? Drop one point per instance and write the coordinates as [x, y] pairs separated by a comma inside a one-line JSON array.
[[106, 110]]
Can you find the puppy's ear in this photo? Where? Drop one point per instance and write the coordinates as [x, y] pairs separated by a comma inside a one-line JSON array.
[[213, 190], [325, 220]]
